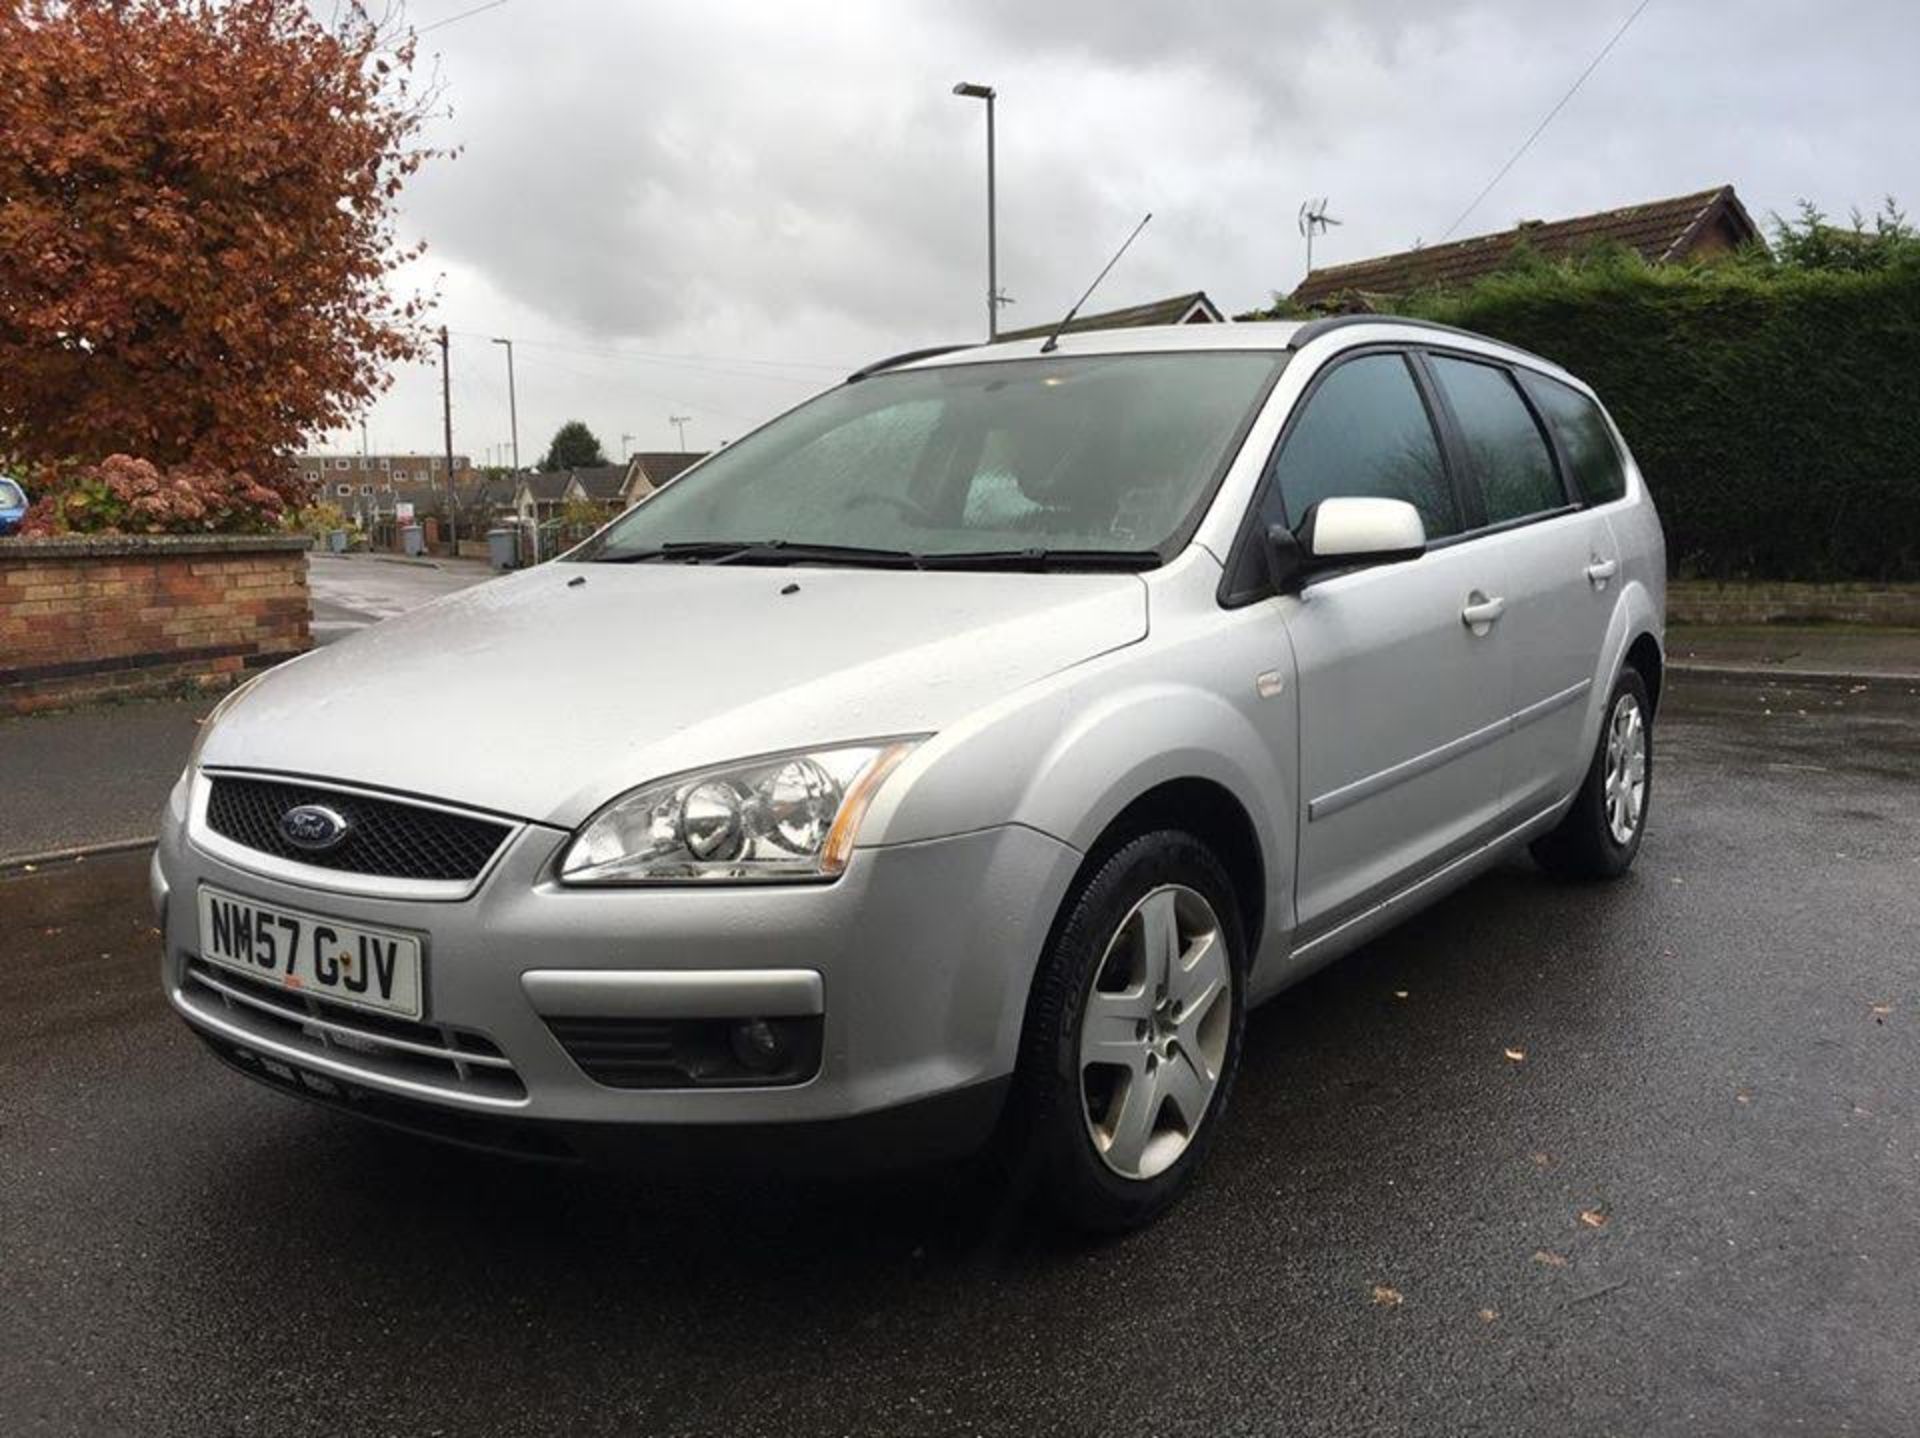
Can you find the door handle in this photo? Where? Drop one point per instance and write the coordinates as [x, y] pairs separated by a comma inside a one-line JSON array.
[[1481, 613], [1601, 570]]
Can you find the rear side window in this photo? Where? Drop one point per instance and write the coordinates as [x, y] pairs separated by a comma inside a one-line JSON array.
[[1584, 438], [1508, 452], [1364, 432]]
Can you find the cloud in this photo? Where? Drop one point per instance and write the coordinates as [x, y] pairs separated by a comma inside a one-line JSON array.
[[795, 184]]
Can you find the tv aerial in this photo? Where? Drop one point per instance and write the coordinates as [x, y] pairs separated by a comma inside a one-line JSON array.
[[1314, 220]]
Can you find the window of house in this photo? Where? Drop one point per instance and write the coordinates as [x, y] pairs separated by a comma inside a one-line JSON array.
[[1364, 432], [386, 463], [343, 464], [366, 489], [343, 489], [1585, 438], [1505, 447]]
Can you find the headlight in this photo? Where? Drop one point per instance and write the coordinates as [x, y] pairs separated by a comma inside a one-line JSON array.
[[788, 816]]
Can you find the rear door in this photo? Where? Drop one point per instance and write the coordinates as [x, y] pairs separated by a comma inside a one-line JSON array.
[[1400, 698], [1560, 562]]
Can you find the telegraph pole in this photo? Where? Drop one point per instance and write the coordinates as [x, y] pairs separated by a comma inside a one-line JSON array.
[[446, 413], [680, 422]]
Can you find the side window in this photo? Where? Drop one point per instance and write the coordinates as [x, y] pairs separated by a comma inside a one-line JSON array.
[[1364, 432], [1584, 438], [1508, 452]]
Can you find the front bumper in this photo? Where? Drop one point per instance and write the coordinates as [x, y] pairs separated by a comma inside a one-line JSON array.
[[918, 960]]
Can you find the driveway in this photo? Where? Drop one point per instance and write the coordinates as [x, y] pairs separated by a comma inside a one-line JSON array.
[[1640, 1158], [351, 591]]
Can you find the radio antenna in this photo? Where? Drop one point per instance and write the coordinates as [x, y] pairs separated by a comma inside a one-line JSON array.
[[1053, 340]]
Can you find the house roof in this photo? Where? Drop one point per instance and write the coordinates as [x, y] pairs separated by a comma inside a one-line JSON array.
[[548, 486], [602, 481], [1193, 308], [1660, 230], [659, 467]]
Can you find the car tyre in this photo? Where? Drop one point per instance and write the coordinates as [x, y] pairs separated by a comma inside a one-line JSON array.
[[1601, 833], [1133, 1034]]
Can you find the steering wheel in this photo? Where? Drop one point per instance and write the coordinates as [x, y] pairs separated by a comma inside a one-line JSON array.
[[910, 508]]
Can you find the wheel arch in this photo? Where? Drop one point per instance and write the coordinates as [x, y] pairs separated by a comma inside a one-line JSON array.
[[1643, 653], [1213, 814]]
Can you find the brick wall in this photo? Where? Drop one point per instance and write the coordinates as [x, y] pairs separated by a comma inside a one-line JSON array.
[[108, 616], [1698, 601]]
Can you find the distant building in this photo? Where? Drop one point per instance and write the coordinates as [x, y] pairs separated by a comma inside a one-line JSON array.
[[542, 495], [367, 486], [357, 469], [1189, 309], [647, 472], [1687, 227]]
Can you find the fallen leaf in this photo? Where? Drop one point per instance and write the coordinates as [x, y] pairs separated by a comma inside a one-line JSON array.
[[1880, 1011], [1593, 1218], [1387, 1297], [1552, 1260], [1399, 993], [1519, 1056], [1487, 1315], [1541, 1160], [1742, 1096]]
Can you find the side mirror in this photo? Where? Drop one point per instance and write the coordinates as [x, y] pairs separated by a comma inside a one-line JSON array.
[[1347, 532]]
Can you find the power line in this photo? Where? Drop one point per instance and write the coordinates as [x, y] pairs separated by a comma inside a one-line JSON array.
[[1559, 105], [463, 15]]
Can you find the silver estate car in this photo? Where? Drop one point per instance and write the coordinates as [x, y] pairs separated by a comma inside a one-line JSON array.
[[946, 766]]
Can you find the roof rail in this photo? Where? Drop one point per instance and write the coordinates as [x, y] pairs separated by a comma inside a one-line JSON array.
[[1326, 324], [895, 361]]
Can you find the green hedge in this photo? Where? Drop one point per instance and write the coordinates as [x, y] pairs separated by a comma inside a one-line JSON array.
[[1775, 412]]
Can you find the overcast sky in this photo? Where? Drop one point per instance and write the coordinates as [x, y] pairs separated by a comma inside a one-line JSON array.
[[713, 209]]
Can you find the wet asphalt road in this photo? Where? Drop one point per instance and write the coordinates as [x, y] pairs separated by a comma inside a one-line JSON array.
[[1692, 1207], [351, 591]]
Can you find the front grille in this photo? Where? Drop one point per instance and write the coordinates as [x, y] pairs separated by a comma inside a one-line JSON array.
[[435, 1054], [387, 838], [684, 1053]]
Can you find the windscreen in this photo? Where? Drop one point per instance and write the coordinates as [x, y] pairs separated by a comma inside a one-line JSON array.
[[1078, 453]]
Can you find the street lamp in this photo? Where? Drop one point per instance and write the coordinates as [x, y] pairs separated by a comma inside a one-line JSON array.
[[513, 407], [985, 92]]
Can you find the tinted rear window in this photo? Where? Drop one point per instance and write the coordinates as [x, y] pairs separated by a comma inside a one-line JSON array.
[[1584, 438], [1508, 452]]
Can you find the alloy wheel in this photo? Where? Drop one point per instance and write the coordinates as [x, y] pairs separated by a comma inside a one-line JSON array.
[[1625, 790], [1153, 1038]]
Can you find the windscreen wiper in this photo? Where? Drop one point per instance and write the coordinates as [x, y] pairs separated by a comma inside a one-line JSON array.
[[764, 551], [1043, 559]]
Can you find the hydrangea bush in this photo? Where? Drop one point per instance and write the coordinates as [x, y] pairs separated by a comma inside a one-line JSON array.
[[124, 495]]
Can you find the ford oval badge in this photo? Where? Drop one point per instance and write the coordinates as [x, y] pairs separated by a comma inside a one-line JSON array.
[[313, 827]]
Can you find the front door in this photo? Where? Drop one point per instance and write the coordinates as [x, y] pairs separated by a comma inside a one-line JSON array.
[[1403, 670]]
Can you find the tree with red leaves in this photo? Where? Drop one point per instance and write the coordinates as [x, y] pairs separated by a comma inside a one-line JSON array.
[[196, 229]]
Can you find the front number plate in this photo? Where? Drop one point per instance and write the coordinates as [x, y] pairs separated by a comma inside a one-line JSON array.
[[311, 954]]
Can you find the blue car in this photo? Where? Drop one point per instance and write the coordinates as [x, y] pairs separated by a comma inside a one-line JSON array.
[[13, 505]]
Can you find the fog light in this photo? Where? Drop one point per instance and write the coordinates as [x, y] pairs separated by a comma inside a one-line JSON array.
[[759, 1045]]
